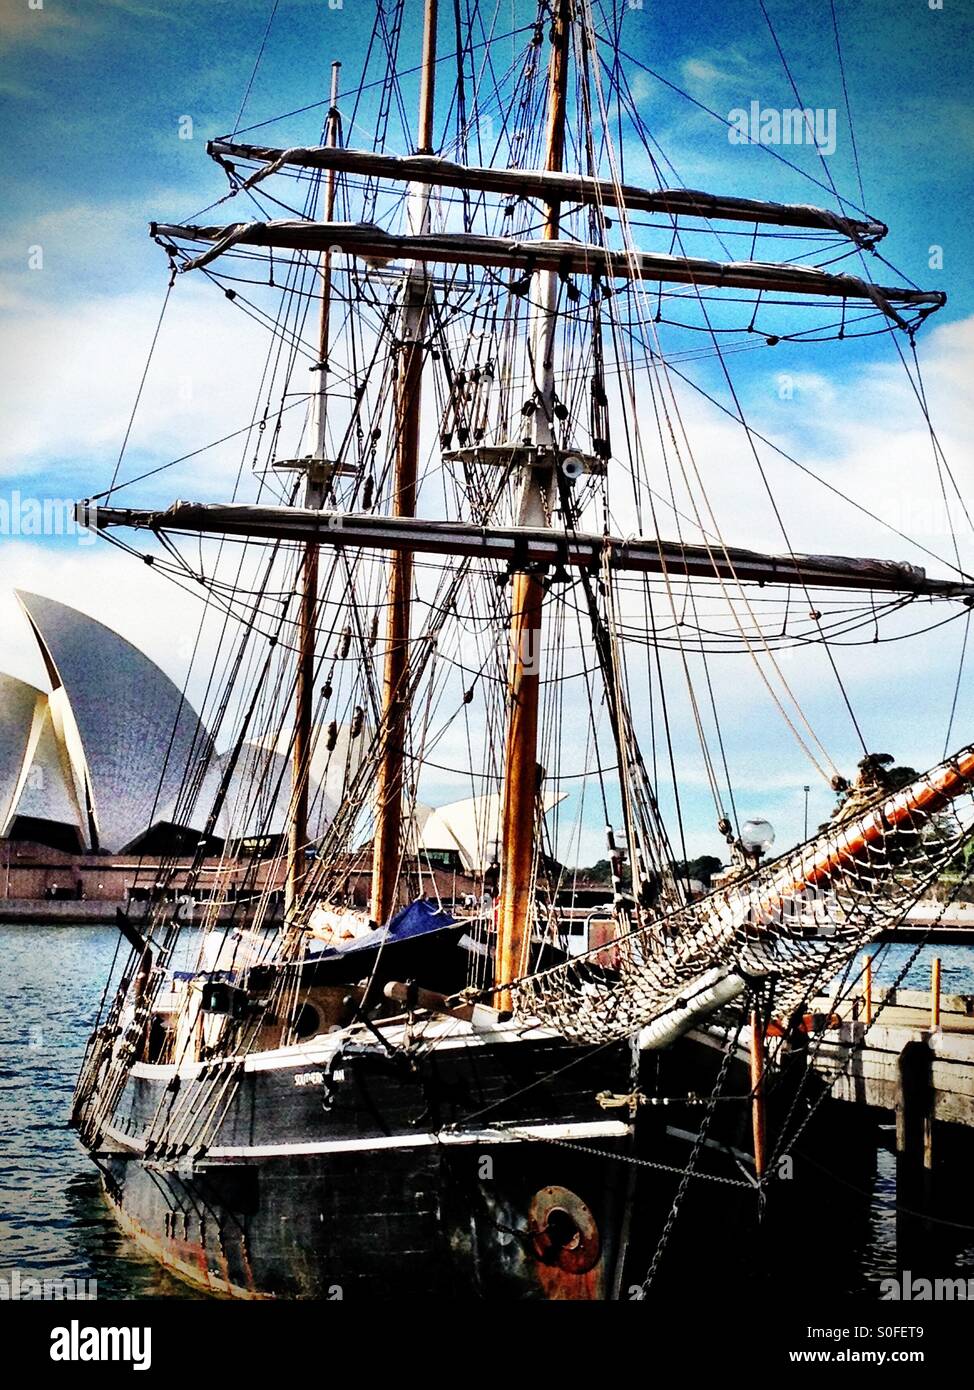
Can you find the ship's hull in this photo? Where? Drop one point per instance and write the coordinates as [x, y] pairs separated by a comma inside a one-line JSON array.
[[339, 1170]]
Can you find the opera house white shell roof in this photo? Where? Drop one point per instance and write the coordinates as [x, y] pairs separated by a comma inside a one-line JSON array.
[[103, 755], [129, 732], [49, 791], [22, 711], [470, 827]]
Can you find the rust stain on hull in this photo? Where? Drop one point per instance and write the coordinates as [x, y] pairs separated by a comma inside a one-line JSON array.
[[183, 1258]]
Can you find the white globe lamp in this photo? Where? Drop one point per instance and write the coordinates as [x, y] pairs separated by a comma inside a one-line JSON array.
[[757, 835]]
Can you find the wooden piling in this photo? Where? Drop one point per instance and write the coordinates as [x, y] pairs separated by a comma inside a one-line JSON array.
[[867, 988], [914, 1148], [935, 993]]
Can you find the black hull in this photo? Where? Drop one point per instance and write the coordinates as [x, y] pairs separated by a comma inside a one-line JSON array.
[[414, 1223], [348, 1176]]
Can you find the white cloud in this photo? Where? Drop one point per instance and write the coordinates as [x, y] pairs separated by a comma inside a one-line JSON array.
[[21, 23], [104, 583], [54, 25], [700, 71], [71, 376], [726, 67], [861, 430]]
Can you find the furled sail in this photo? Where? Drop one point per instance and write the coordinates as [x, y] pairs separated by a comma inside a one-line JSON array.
[[797, 920], [536, 183]]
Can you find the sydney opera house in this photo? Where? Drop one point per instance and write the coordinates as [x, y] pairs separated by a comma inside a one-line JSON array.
[[92, 771], [97, 762]]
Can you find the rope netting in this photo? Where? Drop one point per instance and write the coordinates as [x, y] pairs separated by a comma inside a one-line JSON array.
[[798, 919]]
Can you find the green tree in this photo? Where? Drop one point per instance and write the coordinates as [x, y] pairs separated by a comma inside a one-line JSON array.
[[702, 868]]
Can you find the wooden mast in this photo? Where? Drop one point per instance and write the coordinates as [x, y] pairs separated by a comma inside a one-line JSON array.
[[314, 496], [521, 774], [387, 843]]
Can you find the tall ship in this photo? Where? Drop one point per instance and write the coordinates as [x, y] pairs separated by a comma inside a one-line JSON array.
[[471, 546]]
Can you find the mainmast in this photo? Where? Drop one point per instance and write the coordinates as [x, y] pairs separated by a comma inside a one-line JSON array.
[[314, 497], [387, 843], [521, 773]]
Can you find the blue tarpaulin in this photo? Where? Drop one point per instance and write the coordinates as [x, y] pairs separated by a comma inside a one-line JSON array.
[[415, 920]]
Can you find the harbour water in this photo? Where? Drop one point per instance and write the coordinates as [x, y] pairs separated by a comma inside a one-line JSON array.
[[889, 960], [53, 1222]]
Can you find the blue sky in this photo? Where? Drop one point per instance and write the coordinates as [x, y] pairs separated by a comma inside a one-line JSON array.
[[93, 91], [91, 98]]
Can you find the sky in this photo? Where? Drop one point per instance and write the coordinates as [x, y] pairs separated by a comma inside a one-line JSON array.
[[94, 101]]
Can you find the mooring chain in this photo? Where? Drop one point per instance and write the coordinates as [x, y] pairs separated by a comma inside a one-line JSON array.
[[658, 1167], [698, 1145]]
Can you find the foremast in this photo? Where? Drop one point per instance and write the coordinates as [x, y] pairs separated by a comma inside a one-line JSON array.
[[314, 497], [387, 841], [521, 786]]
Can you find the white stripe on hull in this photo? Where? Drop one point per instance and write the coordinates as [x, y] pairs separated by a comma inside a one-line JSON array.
[[589, 1129], [586, 1129]]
